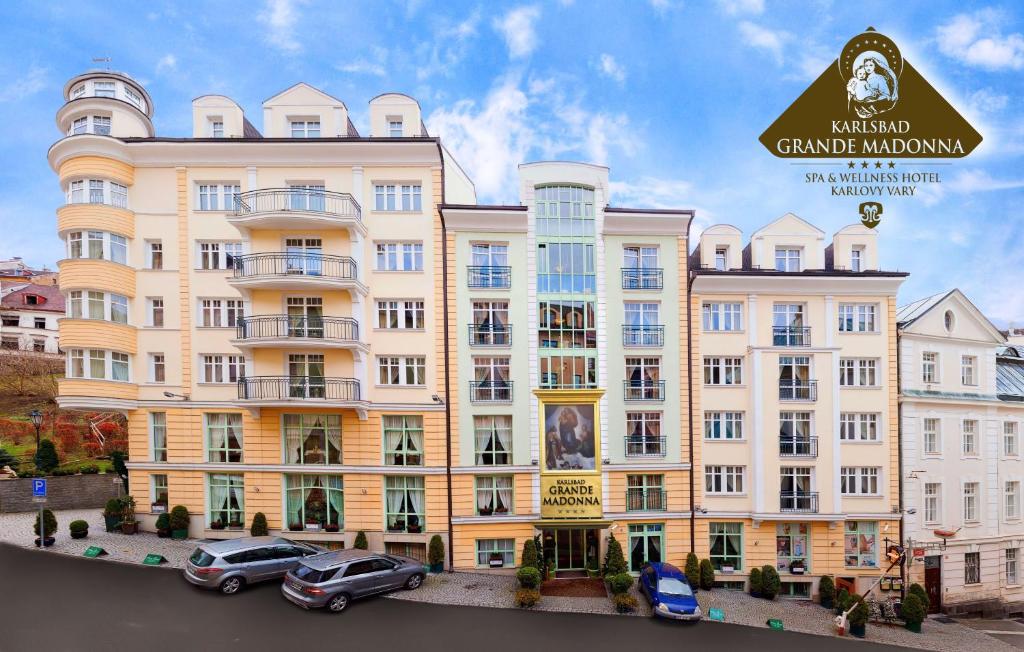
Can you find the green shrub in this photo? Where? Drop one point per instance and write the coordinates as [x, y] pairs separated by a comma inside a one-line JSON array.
[[435, 551], [755, 581], [361, 542], [922, 595], [614, 561], [163, 522], [527, 598], [827, 590], [859, 616], [6, 459], [770, 582], [259, 525], [692, 570], [620, 583], [530, 558], [49, 520], [78, 526], [913, 611], [89, 469], [624, 603], [180, 518], [46, 456], [707, 575], [842, 600], [113, 507], [529, 577]]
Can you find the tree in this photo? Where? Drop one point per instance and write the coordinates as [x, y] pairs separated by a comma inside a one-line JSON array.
[[707, 575], [770, 582], [913, 612], [30, 374], [827, 591], [755, 581], [530, 558], [259, 525], [922, 595], [361, 542], [6, 459], [118, 457], [692, 570], [46, 457], [435, 550], [614, 561], [49, 520]]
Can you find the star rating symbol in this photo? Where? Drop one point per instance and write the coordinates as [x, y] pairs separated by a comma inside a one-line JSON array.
[[878, 165], [851, 165], [864, 165], [892, 165]]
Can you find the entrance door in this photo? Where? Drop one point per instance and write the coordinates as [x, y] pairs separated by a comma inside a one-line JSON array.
[[933, 582], [645, 544], [574, 548]]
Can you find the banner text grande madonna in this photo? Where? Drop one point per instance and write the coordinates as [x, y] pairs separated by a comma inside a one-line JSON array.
[[570, 497]]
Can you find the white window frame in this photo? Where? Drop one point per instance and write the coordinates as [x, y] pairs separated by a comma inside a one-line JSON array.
[[154, 252], [857, 258], [398, 256], [929, 367], [726, 370], [727, 316], [97, 191], [216, 127], [397, 197], [787, 256], [969, 434], [860, 481], [113, 247], [860, 371], [214, 196], [221, 368], [859, 427], [930, 436], [858, 318], [219, 253], [1011, 500], [220, 312], [1012, 556], [408, 367], [402, 311], [971, 492], [723, 422], [154, 307], [304, 127], [724, 480], [932, 502], [1011, 439], [85, 299], [969, 370], [392, 128], [157, 363], [106, 356]]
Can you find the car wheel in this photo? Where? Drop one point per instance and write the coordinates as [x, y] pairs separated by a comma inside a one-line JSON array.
[[414, 582], [338, 603], [231, 585]]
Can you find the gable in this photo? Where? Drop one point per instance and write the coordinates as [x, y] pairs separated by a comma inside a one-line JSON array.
[[302, 94], [789, 224], [968, 322]]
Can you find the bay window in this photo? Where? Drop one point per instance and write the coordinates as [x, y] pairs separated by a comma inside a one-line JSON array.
[[98, 364], [90, 304], [98, 245], [100, 191]]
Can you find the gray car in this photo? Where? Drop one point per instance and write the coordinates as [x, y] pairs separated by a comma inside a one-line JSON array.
[[333, 579], [231, 564]]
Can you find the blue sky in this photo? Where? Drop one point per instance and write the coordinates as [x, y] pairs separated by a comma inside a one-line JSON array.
[[671, 95]]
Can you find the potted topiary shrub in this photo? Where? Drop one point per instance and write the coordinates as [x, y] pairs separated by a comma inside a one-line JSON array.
[[529, 558], [858, 617], [707, 575], [921, 594], [827, 591], [842, 600], [619, 584], [259, 525], [50, 523], [755, 582], [79, 529], [770, 582], [163, 525], [913, 612], [128, 523], [179, 522], [797, 567], [614, 561], [528, 577], [435, 554], [112, 514], [361, 542], [692, 570]]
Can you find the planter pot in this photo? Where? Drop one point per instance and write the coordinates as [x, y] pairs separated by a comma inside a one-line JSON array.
[[163, 534], [47, 543], [827, 603], [179, 534], [79, 534], [858, 630], [797, 570], [129, 528], [914, 627], [727, 569], [157, 508], [111, 522], [755, 594], [437, 568]]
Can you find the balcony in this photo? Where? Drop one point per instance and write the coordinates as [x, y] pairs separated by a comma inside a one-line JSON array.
[[284, 391], [269, 331], [798, 390], [644, 446], [646, 500], [647, 390], [791, 336], [643, 336], [490, 391], [801, 501], [798, 446], [489, 276], [490, 335], [297, 208], [640, 278], [296, 271]]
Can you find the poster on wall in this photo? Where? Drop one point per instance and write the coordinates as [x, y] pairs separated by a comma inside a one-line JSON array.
[[570, 441], [570, 454]]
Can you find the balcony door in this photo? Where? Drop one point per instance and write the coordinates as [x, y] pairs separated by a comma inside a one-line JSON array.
[[788, 324], [490, 321], [306, 197], [304, 256], [306, 375], [794, 376], [795, 487], [305, 317]]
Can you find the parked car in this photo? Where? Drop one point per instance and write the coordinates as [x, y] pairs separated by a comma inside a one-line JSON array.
[[231, 564], [333, 579], [669, 592]]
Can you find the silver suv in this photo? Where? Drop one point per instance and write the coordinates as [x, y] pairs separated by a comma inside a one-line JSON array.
[[333, 579], [231, 564]]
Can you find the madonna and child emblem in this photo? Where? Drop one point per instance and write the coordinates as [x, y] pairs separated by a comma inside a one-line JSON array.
[[871, 66]]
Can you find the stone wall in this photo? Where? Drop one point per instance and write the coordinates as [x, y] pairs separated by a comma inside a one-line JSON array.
[[63, 492]]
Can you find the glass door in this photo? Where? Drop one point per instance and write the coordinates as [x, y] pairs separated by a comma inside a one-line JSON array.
[[305, 317], [645, 544], [304, 256]]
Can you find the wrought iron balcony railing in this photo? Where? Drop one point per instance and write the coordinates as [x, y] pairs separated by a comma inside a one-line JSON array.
[[489, 276], [264, 327], [645, 446], [298, 387], [643, 278], [650, 336], [281, 200], [646, 500], [490, 335], [798, 390], [490, 391], [800, 501], [270, 265], [648, 390], [798, 446], [791, 336]]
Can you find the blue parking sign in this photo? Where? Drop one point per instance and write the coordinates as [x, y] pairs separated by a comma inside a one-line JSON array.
[[39, 488]]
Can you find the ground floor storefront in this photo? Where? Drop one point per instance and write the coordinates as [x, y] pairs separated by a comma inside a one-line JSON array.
[[971, 576]]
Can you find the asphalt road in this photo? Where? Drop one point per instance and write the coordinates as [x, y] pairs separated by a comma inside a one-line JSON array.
[[52, 602]]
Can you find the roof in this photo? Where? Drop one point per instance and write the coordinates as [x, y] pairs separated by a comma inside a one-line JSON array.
[[249, 130], [1010, 374], [911, 312], [326, 560], [227, 546], [15, 300]]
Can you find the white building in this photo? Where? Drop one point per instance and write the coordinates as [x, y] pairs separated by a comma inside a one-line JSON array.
[[962, 410], [28, 316]]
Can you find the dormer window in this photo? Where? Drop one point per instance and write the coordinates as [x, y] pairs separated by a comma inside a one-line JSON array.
[[857, 259], [216, 129], [787, 259], [394, 128], [305, 128], [103, 89], [34, 300], [721, 258]]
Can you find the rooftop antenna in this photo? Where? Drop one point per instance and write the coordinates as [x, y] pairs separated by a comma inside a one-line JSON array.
[[105, 60]]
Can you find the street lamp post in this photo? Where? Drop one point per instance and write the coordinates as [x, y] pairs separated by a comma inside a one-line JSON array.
[[37, 421]]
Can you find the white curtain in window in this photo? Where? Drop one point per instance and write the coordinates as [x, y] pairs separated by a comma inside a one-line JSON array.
[[295, 499], [336, 497], [504, 487], [636, 544], [503, 426], [218, 497], [483, 498], [217, 431], [392, 434], [238, 498], [483, 436], [395, 500], [416, 496], [293, 443]]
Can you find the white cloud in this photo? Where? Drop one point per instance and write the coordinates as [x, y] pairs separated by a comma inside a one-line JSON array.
[[30, 83], [518, 29], [971, 181], [279, 17], [765, 39], [663, 6], [977, 40], [986, 100], [168, 63], [448, 48], [375, 67], [609, 67], [735, 7]]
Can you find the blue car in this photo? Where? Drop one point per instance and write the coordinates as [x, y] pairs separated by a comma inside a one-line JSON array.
[[669, 592]]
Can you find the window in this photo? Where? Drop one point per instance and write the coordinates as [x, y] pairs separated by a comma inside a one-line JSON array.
[[158, 435], [491, 379], [98, 245], [492, 436], [314, 502], [949, 321], [158, 489], [795, 433], [792, 544], [726, 545], [40, 322], [723, 371], [1011, 565], [643, 434], [970, 437], [222, 368], [857, 259], [155, 254], [787, 259], [1011, 494], [566, 211], [100, 192], [407, 314], [404, 370], [723, 316], [11, 343], [227, 499], [312, 438], [38, 345], [101, 125], [395, 128], [78, 92], [403, 440], [795, 378], [858, 372], [488, 550], [859, 481], [79, 126], [640, 269], [788, 325], [15, 320], [157, 368], [155, 312], [854, 426], [972, 568], [489, 266], [103, 89], [493, 495], [724, 479], [929, 367], [305, 128], [860, 545], [490, 325], [1011, 445], [968, 370], [216, 128], [643, 379], [857, 318], [930, 430], [97, 364], [221, 313], [223, 436], [932, 502], [971, 490], [217, 196], [218, 255], [133, 97], [399, 257], [404, 500], [723, 425], [567, 325], [398, 197], [721, 258], [645, 492]]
